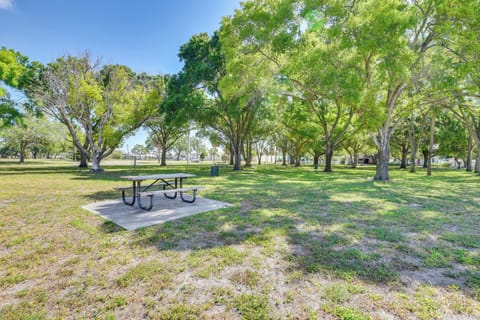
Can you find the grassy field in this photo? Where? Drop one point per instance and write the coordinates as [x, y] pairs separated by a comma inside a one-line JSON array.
[[297, 244]]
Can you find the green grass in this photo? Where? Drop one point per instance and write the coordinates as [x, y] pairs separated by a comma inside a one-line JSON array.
[[296, 243], [252, 306], [346, 313]]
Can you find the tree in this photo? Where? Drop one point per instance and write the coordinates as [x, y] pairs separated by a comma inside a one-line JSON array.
[[8, 113], [180, 146], [12, 70], [140, 150], [280, 140], [198, 147], [402, 142], [31, 133], [452, 137], [261, 147], [298, 130], [356, 141], [394, 48], [103, 104], [417, 133], [462, 44], [315, 65], [172, 102], [234, 91]]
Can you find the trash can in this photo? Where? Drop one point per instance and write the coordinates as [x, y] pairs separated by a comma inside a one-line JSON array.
[[214, 171]]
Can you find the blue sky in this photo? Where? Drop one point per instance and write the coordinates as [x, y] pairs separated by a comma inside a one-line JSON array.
[[143, 34]]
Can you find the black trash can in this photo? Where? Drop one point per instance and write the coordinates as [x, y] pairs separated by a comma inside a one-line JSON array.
[[214, 171]]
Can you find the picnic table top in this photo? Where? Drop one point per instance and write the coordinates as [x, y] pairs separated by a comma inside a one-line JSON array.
[[158, 176]]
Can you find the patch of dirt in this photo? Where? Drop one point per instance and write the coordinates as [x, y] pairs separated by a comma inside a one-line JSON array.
[[433, 277], [246, 206], [415, 205]]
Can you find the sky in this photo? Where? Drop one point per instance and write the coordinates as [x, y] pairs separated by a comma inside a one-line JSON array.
[[142, 34]]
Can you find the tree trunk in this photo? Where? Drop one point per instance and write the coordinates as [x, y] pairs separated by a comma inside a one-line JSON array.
[[425, 158], [163, 162], [316, 158], [259, 158], [292, 159], [413, 157], [355, 159], [468, 162], [383, 154], [83, 157], [248, 153], [83, 161], [382, 173], [413, 142], [297, 161], [328, 159], [403, 162], [350, 158], [430, 146], [23, 149], [236, 145], [237, 164], [96, 158], [457, 163], [232, 157], [477, 161], [284, 156]]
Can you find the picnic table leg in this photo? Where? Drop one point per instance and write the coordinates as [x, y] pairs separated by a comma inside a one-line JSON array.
[[175, 194], [191, 200], [134, 195], [181, 193], [149, 206]]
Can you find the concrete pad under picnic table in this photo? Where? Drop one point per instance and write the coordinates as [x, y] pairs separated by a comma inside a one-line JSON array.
[[132, 217]]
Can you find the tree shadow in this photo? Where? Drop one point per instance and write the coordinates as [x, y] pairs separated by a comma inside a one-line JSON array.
[[343, 223], [347, 226]]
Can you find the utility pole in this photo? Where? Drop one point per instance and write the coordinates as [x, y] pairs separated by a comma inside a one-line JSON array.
[[188, 145]]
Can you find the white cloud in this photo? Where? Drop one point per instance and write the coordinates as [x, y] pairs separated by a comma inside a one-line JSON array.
[[6, 4]]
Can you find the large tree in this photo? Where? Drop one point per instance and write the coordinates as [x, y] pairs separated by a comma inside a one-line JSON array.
[[101, 104], [460, 39], [314, 64], [344, 57], [173, 101], [12, 72], [233, 90]]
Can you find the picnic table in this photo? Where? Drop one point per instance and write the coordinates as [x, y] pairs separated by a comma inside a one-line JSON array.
[[171, 184]]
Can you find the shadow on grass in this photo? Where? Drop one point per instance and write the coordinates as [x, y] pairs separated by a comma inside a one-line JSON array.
[[345, 225], [110, 227], [340, 223]]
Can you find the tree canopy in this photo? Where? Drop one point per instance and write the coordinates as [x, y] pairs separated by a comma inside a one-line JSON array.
[[311, 77], [99, 105]]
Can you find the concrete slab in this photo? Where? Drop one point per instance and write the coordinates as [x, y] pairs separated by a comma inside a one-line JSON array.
[[132, 217]]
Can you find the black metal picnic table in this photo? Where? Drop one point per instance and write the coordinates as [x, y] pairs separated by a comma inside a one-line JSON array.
[[171, 183]]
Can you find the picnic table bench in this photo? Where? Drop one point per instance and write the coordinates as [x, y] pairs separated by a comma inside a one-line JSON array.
[[171, 184]]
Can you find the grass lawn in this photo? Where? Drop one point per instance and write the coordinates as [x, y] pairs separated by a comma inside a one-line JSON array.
[[297, 244]]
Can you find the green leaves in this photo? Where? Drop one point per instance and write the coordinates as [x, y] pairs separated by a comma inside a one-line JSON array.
[[101, 104], [12, 67], [315, 20]]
